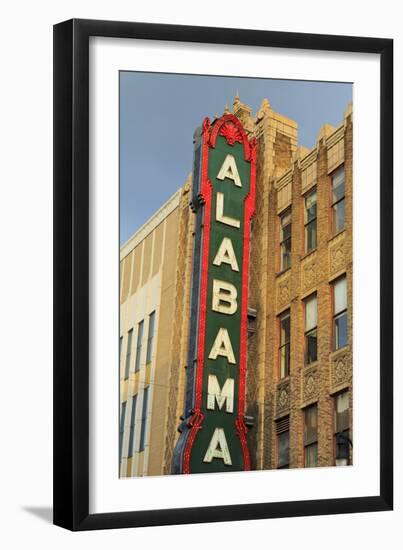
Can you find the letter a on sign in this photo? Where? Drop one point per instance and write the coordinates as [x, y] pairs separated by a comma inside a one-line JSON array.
[[229, 170], [218, 448], [222, 346], [226, 255]]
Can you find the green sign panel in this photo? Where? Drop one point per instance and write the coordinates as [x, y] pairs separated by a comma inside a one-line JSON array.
[[213, 437]]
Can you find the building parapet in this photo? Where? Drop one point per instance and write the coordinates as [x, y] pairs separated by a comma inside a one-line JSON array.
[[333, 139], [149, 226]]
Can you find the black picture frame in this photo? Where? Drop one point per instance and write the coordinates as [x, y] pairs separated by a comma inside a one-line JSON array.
[[71, 274]]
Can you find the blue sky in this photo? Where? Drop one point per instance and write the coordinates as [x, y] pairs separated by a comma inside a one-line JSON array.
[[159, 113]]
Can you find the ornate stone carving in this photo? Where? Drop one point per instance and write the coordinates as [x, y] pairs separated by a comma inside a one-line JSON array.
[[337, 255], [283, 397], [341, 369], [310, 384], [308, 274], [283, 292]]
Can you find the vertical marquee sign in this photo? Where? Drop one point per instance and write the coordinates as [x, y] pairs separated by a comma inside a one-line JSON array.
[[213, 431]]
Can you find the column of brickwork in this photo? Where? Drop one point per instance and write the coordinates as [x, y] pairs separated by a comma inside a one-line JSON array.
[[269, 443], [324, 300], [348, 169], [257, 285], [277, 138], [297, 323], [283, 140], [180, 322]]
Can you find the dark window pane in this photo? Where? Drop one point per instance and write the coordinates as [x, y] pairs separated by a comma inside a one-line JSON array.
[[287, 245], [341, 429], [311, 425], [311, 456], [342, 448], [285, 219], [311, 236], [286, 231], [286, 254], [143, 420], [283, 449], [341, 412], [285, 240], [340, 330], [310, 207], [151, 323], [311, 346], [338, 185], [122, 427], [285, 360], [285, 329], [132, 425], [338, 216], [140, 330], [338, 205], [128, 352], [311, 213], [284, 347]]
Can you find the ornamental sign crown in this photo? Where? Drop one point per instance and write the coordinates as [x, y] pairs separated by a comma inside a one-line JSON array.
[[213, 432]]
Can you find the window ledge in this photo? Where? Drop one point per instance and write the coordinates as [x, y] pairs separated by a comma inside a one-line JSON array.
[[336, 234], [306, 254], [341, 350], [311, 365], [279, 273]]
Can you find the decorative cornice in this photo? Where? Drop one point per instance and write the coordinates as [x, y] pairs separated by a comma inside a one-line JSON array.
[[285, 179], [309, 158], [336, 136], [330, 139]]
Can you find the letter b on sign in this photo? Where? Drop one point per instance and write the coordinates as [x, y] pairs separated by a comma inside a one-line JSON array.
[[224, 297]]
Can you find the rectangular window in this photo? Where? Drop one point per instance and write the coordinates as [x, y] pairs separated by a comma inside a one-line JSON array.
[[144, 420], [310, 221], [311, 330], [122, 428], [311, 436], [128, 352], [285, 240], [340, 312], [132, 426], [284, 343], [140, 330], [151, 326], [341, 428], [338, 201], [283, 442]]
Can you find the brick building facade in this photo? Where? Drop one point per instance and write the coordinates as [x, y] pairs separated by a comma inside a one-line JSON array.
[[299, 374]]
